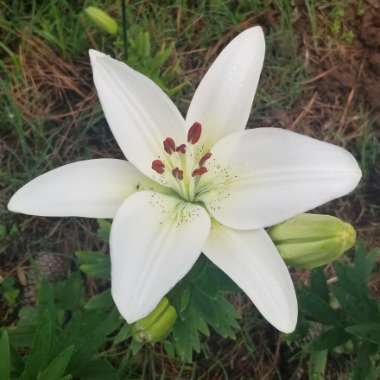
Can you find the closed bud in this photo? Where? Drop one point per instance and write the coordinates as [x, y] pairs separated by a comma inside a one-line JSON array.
[[312, 240], [157, 325], [102, 20]]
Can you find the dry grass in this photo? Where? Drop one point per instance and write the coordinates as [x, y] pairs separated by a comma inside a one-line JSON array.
[[339, 102]]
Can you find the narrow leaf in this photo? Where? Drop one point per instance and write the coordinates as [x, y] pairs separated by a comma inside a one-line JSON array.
[[5, 357], [57, 367]]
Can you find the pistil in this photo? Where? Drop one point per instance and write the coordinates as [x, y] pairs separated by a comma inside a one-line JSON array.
[[183, 171]]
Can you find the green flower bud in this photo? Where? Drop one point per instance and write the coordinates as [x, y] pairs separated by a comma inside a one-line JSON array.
[[102, 19], [157, 325], [312, 240]]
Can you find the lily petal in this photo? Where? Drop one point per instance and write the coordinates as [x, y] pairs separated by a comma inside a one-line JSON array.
[[251, 260], [138, 112], [92, 188], [155, 240], [261, 177], [223, 100]]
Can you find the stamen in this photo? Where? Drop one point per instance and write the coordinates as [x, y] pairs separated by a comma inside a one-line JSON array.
[[199, 171], [169, 145], [177, 173], [181, 148], [158, 166], [194, 133], [204, 158]]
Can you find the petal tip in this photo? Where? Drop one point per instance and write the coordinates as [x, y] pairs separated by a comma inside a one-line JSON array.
[[289, 326], [128, 310], [11, 206], [94, 54], [255, 33], [354, 171], [17, 203]]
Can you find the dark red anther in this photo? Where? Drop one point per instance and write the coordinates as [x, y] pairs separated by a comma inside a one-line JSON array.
[[158, 166], [181, 148], [204, 158], [194, 133], [177, 173], [169, 145], [199, 171]]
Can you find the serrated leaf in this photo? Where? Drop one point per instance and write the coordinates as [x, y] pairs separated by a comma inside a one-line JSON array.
[[363, 263], [318, 284], [316, 308], [89, 331], [219, 313], [350, 280], [200, 303], [56, 369], [356, 310], [184, 300], [5, 357]]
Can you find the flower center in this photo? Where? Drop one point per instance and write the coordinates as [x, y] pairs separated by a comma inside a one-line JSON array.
[[180, 165]]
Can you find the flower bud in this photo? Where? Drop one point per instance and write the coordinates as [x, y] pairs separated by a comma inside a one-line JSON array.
[[102, 20], [312, 240], [157, 325]]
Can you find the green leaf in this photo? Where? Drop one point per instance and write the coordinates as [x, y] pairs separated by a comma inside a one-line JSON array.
[[57, 367], [95, 264], [23, 333], [330, 339], [366, 331], [200, 302], [98, 369], [124, 333], [318, 284], [104, 230], [5, 357], [100, 301], [184, 300], [64, 291], [363, 369], [317, 365], [40, 352], [89, 331], [364, 264], [316, 308], [169, 348], [9, 291]]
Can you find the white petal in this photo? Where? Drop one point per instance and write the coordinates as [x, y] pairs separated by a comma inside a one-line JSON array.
[[93, 188], [139, 113], [223, 100], [155, 240], [251, 259], [264, 176]]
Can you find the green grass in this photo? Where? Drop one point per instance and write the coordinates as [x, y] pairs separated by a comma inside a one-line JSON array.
[[172, 42]]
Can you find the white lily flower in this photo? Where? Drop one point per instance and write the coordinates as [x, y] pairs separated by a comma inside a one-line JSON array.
[[203, 184]]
